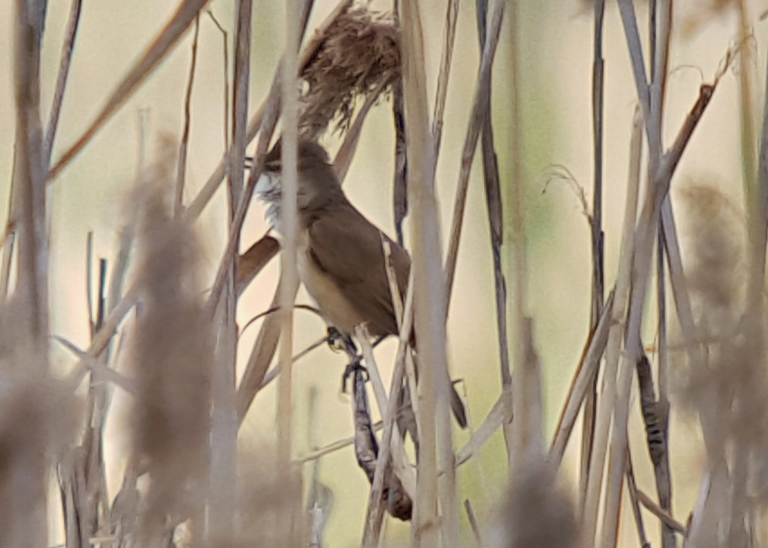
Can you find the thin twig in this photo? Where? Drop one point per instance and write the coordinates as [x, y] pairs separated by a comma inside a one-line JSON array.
[[662, 514], [481, 98], [225, 66], [67, 51], [449, 37], [632, 487], [184, 145]]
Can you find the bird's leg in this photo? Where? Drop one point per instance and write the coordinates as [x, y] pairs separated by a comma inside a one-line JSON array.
[[342, 342]]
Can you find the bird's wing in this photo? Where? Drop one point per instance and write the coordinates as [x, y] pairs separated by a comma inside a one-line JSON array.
[[347, 248]]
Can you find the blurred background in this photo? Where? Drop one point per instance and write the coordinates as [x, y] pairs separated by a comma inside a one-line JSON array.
[[556, 52]]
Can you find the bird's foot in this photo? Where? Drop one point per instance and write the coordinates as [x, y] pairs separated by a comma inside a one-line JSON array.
[[340, 342]]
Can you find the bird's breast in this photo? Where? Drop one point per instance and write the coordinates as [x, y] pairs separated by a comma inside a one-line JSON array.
[[336, 309]]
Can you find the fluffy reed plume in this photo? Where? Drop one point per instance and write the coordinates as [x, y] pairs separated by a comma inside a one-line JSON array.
[[265, 504], [537, 512], [727, 388], [36, 423], [172, 356], [359, 56]]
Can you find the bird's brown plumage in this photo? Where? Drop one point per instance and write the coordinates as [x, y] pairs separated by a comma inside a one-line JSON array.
[[340, 256]]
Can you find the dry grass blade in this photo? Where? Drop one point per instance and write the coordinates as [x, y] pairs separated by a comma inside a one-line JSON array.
[[660, 513], [254, 260], [261, 355], [151, 58], [585, 376], [498, 415], [481, 98], [99, 370]]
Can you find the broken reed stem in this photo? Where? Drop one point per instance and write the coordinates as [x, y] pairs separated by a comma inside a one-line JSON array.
[[181, 171], [596, 227], [288, 272], [473, 524]]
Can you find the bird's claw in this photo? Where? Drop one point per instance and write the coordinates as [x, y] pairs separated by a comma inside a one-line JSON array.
[[339, 342]]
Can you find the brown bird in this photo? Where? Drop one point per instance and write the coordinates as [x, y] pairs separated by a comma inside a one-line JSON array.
[[340, 258]]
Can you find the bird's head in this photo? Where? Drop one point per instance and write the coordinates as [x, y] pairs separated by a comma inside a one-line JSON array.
[[317, 182]]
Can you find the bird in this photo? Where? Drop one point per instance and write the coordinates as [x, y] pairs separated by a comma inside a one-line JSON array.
[[340, 258]]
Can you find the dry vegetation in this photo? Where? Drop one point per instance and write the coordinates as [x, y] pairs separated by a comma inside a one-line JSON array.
[[185, 484]]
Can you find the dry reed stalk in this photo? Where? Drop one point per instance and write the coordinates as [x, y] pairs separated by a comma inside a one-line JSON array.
[[27, 425], [597, 234], [586, 373], [660, 31], [516, 258], [430, 303], [224, 424], [589, 509]]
